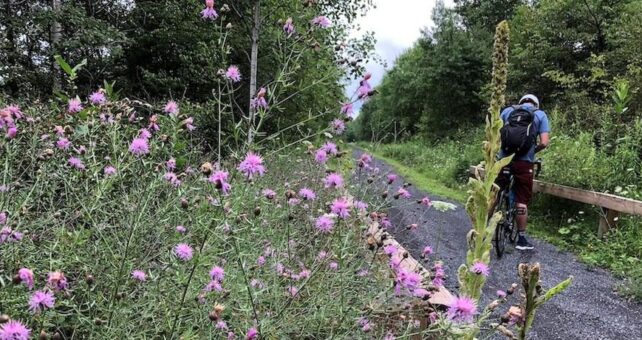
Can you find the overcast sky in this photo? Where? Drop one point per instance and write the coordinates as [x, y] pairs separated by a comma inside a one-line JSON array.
[[397, 24]]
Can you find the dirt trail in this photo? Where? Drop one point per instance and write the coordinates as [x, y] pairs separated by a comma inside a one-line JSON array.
[[589, 309]]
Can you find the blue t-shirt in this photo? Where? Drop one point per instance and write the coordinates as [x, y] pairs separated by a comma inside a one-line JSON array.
[[541, 126]]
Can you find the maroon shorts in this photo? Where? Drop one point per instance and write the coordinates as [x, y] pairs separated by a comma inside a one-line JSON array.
[[523, 181]]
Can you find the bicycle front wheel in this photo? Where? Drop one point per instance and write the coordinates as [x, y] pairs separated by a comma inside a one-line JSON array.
[[499, 240]]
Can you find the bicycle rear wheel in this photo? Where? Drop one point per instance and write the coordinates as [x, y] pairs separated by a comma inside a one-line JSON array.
[[499, 240]]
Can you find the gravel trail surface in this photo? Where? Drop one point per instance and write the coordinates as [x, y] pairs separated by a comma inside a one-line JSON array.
[[588, 309]]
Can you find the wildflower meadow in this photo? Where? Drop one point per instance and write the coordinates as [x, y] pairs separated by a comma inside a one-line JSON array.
[[125, 218]]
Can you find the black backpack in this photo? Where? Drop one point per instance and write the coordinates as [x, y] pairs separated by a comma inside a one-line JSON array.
[[518, 134]]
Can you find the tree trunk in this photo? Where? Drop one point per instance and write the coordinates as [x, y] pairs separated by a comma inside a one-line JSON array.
[[253, 68], [55, 35], [11, 48]]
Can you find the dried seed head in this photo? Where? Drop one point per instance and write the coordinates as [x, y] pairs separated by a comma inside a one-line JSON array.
[[213, 316], [257, 211], [4, 318], [206, 168], [184, 203], [98, 322], [43, 335], [384, 194], [89, 279], [290, 194]]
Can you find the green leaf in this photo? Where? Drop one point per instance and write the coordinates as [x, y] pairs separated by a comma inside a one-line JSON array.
[[564, 231], [63, 64], [554, 291]]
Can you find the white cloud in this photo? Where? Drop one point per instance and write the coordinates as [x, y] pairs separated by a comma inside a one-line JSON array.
[[397, 24]]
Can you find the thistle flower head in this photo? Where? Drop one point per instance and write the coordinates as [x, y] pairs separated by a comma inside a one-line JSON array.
[[14, 330], [462, 310], [233, 73], [139, 275], [183, 251]]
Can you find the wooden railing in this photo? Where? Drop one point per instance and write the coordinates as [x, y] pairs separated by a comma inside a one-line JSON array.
[[611, 205]]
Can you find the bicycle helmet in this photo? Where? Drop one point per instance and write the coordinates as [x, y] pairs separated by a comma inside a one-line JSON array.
[[530, 98]]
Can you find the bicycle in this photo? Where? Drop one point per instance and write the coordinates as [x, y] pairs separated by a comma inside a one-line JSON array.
[[506, 228]]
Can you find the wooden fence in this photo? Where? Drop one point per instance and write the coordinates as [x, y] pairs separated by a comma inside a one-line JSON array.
[[611, 205]]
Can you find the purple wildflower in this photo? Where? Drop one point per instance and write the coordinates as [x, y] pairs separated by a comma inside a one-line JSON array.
[[12, 132], [341, 207], [288, 27], [307, 194], [109, 171], [139, 147], [217, 273], [40, 300], [252, 334], [252, 165], [172, 179], [322, 21], [403, 193], [330, 148], [219, 179], [14, 330], [15, 111], [325, 223], [338, 126], [233, 74], [427, 251], [426, 202], [97, 98], [321, 156], [57, 281], [347, 109], [63, 143], [74, 105], [364, 161], [26, 277], [364, 87], [183, 251], [390, 249], [333, 180], [438, 279], [333, 265], [462, 310], [259, 101], [171, 108], [480, 268], [76, 163], [501, 294], [361, 206], [269, 194], [260, 261], [391, 178], [139, 275], [209, 12], [171, 164], [221, 325], [181, 229]]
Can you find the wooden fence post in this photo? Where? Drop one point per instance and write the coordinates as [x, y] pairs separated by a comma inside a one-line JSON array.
[[608, 220]]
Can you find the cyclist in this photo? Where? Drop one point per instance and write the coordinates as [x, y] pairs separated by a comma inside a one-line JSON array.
[[523, 124]]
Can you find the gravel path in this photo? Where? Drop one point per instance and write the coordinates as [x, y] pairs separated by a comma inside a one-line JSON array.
[[588, 309]]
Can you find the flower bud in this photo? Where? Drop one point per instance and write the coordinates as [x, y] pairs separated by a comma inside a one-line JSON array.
[[89, 279], [228, 26], [206, 168], [43, 335], [4, 318], [257, 211], [184, 203]]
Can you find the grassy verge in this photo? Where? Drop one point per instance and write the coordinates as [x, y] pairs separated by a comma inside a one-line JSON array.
[[422, 181], [440, 169]]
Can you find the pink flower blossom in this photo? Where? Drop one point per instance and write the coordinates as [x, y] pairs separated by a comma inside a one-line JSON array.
[[15, 111], [219, 179], [364, 160], [144, 134], [333, 265], [171, 164], [260, 261], [307, 194], [439, 274], [321, 156], [501, 294], [462, 310], [172, 179], [57, 281], [365, 324], [294, 202], [338, 126], [259, 101], [9, 235], [269, 194], [26, 277], [3, 218], [14, 330], [480, 268], [171, 108], [391, 178], [427, 251], [233, 74], [403, 193], [361, 206], [221, 325], [181, 229], [325, 223], [109, 171], [189, 124], [139, 147], [333, 180], [347, 109], [364, 87], [74, 105], [97, 98], [390, 249], [60, 131], [76, 163], [341, 207], [153, 123], [322, 255], [209, 12], [322, 21], [183, 251], [426, 202], [330, 148], [252, 165], [363, 272], [252, 334], [217, 273], [293, 291], [139, 275], [288, 27], [385, 222], [12, 132]]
